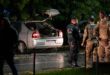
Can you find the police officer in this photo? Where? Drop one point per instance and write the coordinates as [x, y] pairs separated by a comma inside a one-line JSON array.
[[89, 41], [103, 33], [73, 41], [7, 45]]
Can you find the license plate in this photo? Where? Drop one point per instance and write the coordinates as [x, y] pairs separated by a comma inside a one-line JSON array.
[[50, 42], [40, 43]]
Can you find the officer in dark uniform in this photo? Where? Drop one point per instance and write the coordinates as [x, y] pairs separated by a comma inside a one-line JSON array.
[[7, 45], [73, 41]]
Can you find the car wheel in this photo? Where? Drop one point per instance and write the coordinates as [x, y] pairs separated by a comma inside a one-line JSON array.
[[22, 46]]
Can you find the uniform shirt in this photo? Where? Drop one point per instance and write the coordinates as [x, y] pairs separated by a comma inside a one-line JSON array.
[[90, 31], [73, 33], [8, 39], [102, 29]]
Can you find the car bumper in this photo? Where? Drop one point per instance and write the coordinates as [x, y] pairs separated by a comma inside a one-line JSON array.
[[47, 43]]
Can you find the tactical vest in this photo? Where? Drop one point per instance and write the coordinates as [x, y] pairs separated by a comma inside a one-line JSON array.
[[90, 31], [104, 30]]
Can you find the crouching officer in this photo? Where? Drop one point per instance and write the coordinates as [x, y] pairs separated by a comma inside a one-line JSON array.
[[90, 42], [73, 41]]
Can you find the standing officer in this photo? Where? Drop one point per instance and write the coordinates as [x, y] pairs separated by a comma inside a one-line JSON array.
[[89, 40], [103, 33], [7, 45], [73, 41]]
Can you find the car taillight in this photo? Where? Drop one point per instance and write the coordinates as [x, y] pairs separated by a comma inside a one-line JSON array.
[[35, 34], [60, 33]]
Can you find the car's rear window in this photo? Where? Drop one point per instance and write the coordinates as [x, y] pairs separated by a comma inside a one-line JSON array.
[[47, 30], [44, 28]]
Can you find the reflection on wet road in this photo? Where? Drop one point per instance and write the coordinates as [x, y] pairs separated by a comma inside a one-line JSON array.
[[43, 61]]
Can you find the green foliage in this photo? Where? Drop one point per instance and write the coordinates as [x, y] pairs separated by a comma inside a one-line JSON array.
[[4, 2], [22, 4], [67, 8]]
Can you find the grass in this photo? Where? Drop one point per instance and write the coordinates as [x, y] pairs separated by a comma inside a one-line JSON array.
[[64, 72], [70, 71]]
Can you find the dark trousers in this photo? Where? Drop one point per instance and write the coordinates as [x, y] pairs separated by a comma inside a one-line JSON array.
[[10, 61], [73, 53]]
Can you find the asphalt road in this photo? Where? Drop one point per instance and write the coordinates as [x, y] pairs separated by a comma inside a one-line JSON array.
[[43, 61]]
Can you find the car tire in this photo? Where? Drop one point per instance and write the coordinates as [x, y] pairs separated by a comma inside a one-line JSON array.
[[22, 48]]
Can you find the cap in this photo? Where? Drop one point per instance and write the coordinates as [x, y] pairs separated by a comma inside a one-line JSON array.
[[92, 16], [108, 14], [73, 17]]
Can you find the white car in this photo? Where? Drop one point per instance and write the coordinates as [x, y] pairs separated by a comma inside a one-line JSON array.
[[34, 35]]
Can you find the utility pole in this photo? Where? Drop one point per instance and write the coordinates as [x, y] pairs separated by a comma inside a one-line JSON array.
[[34, 62]]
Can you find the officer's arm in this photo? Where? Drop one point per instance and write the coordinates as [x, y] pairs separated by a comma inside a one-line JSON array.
[[77, 33], [96, 30], [14, 38], [109, 33], [84, 36]]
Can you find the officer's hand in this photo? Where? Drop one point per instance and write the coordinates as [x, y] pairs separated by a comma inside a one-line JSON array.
[[109, 43], [82, 44]]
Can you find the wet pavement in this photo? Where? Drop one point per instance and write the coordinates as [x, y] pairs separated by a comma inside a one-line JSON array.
[[43, 61]]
